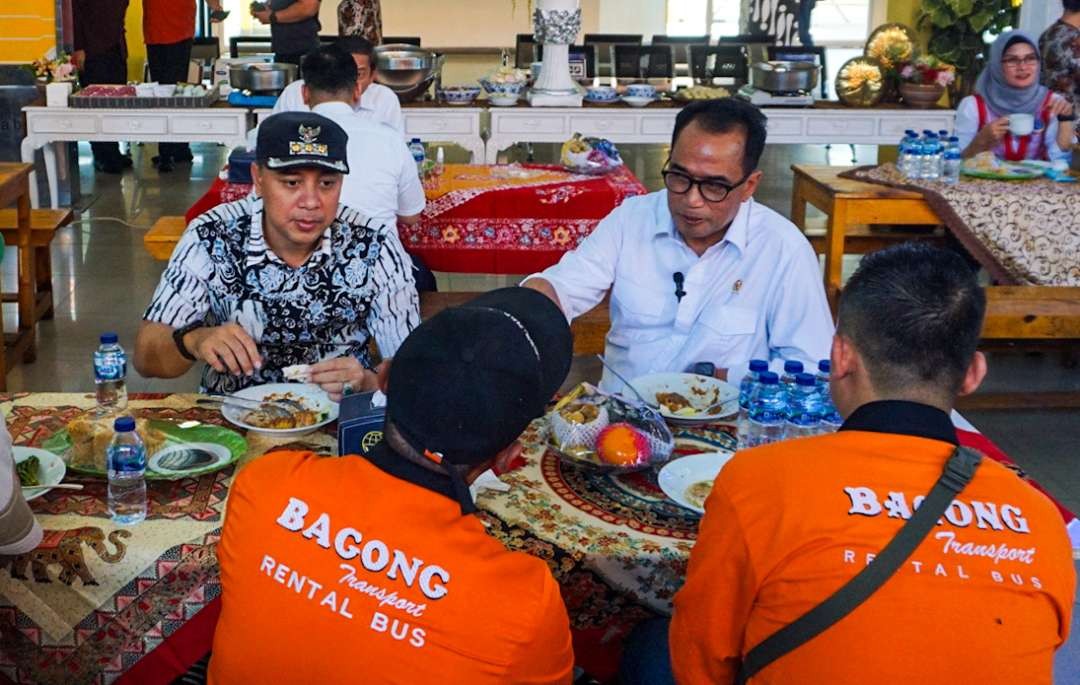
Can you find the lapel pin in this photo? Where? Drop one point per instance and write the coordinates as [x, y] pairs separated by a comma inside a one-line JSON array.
[[737, 287]]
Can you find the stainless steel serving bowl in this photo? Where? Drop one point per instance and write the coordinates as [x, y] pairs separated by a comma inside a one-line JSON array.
[[262, 78], [784, 77], [405, 68]]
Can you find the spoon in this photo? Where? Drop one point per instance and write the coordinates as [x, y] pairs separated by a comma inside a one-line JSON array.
[[626, 383], [58, 486]]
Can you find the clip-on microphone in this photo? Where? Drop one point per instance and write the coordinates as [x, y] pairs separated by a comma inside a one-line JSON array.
[[679, 292]]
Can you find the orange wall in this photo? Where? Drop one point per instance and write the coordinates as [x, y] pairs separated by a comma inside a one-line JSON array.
[[27, 29]]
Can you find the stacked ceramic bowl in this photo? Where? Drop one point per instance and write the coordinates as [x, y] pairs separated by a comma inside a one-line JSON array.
[[601, 95], [504, 93], [639, 94], [458, 95]]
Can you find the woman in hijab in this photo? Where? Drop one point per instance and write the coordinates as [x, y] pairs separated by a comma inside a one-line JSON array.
[[1009, 85]]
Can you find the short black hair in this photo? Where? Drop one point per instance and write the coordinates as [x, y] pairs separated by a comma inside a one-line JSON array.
[[1071, 5], [358, 45], [329, 70], [723, 115], [914, 313]]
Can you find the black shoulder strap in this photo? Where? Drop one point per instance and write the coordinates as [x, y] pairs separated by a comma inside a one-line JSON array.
[[957, 474]]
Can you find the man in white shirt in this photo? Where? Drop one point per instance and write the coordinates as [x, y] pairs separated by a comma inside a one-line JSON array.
[[699, 272], [382, 182], [376, 100]]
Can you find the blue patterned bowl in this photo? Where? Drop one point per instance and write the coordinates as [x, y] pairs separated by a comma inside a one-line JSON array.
[[601, 94], [458, 95], [508, 89]]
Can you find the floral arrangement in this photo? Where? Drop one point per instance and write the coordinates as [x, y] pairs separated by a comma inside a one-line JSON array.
[[891, 47], [59, 69], [507, 74], [928, 70]]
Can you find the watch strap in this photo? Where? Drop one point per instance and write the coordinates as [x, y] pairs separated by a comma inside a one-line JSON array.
[[178, 338]]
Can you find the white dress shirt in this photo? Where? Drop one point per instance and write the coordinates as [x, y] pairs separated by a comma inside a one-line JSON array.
[[757, 294], [382, 181], [967, 126], [377, 101]]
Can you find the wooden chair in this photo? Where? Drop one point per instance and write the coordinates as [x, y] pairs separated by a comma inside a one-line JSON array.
[[44, 223], [161, 239]]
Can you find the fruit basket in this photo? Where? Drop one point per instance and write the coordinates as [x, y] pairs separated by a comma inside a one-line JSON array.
[[590, 155]]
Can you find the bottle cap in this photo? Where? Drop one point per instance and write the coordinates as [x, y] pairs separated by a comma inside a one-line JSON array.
[[824, 366], [124, 424], [414, 140], [804, 379], [108, 338], [793, 366], [758, 365], [769, 378]]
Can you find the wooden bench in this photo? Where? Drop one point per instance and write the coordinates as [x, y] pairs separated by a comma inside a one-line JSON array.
[[44, 223], [589, 330], [21, 345], [162, 237]]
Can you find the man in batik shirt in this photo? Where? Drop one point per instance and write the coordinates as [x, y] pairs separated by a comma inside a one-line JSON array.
[[284, 277], [1060, 48]]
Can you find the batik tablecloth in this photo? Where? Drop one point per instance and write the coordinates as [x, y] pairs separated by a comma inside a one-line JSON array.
[[1023, 232], [497, 219]]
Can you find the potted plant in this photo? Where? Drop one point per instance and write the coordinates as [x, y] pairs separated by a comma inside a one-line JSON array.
[[924, 79], [956, 35], [58, 76]]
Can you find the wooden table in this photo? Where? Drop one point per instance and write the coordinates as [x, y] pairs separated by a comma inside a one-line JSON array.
[[15, 189]]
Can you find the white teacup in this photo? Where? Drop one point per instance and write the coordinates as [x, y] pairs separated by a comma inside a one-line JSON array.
[[1021, 124]]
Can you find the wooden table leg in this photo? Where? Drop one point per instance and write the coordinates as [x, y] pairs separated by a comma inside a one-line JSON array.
[[44, 286], [834, 250], [798, 205], [27, 279]]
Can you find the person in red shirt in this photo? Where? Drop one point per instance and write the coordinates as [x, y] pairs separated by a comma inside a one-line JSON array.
[[169, 30], [986, 597], [375, 569]]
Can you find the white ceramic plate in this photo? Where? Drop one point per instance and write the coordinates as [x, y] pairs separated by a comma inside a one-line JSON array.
[[637, 101], [310, 394], [703, 392], [185, 458], [680, 474], [51, 469]]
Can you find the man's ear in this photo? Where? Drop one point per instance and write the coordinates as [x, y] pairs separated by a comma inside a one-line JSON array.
[[257, 178], [973, 377], [750, 185], [843, 358], [305, 93]]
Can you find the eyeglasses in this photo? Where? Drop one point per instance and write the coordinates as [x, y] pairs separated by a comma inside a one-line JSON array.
[[1014, 62], [711, 189]]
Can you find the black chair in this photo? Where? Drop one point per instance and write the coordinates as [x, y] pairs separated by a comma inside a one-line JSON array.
[[708, 62], [644, 61], [407, 40], [577, 52], [603, 43], [248, 45], [681, 46], [815, 54], [524, 50], [757, 46]]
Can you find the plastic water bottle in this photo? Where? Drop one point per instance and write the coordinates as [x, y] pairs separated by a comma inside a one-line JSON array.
[[950, 168], [127, 470], [746, 389], [110, 372], [804, 408], [418, 154], [931, 157], [907, 152], [830, 417], [768, 411], [440, 161], [791, 368]]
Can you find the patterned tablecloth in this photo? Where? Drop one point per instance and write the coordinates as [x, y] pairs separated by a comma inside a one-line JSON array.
[[96, 602], [1023, 232], [494, 218]]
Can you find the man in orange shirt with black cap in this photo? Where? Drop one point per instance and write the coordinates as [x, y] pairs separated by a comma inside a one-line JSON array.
[[374, 569]]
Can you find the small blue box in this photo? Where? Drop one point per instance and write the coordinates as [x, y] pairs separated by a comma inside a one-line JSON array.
[[360, 425]]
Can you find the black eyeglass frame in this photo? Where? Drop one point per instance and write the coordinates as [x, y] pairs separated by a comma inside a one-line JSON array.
[[699, 182]]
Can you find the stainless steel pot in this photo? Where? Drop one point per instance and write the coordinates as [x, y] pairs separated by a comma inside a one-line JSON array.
[[784, 77], [404, 67], [262, 78]]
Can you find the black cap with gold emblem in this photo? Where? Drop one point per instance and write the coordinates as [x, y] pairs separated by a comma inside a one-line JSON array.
[[299, 139]]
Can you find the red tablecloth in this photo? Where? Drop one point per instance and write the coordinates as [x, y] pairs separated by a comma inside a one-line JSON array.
[[494, 219]]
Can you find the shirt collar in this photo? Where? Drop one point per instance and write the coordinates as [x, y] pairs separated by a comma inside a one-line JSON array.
[[389, 461], [904, 418], [737, 233], [329, 108], [258, 251]]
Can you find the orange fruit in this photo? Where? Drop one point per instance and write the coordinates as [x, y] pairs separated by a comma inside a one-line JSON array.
[[621, 444]]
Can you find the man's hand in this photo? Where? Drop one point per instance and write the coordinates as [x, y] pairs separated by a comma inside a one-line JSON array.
[[227, 348], [262, 15], [78, 58], [332, 375]]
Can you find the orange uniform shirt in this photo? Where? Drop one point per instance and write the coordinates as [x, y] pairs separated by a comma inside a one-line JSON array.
[[168, 21], [335, 571], [986, 598]]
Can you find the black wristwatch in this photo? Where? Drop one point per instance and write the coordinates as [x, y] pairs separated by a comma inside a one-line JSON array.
[[178, 338], [273, 17], [1066, 117]]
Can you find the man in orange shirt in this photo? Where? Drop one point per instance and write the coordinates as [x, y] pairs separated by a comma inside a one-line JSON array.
[[985, 598], [169, 30], [375, 569]]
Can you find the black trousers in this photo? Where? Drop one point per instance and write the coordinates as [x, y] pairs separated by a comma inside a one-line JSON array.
[[109, 67], [169, 64]]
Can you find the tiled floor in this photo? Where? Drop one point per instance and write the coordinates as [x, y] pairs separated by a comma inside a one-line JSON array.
[[104, 278]]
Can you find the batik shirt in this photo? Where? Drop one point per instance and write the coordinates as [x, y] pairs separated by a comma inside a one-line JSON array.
[[356, 285], [1060, 47]]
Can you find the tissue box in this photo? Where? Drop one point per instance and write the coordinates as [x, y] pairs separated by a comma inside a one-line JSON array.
[[360, 425]]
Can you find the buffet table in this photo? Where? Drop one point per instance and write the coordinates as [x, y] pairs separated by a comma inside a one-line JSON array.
[[46, 125], [142, 605]]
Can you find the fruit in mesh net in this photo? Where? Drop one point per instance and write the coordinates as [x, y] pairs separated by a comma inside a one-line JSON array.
[[621, 444]]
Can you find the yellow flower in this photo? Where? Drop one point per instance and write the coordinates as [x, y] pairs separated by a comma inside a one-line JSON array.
[[891, 47], [450, 235]]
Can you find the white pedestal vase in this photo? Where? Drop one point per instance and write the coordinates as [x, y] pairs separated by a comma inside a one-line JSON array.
[[57, 92], [556, 24]]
